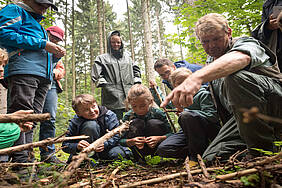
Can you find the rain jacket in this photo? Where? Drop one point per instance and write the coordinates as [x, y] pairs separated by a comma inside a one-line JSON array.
[[25, 40], [271, 38], [115, 76]]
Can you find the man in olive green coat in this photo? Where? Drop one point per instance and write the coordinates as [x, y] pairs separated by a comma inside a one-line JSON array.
[[115, 73]]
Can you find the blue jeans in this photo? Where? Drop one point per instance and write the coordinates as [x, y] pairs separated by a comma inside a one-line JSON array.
[[47, 128]]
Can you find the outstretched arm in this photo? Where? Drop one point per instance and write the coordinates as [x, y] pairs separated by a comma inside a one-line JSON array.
[[182, 96]]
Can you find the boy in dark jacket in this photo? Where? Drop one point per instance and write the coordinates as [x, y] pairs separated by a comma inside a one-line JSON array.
[[93, 121]]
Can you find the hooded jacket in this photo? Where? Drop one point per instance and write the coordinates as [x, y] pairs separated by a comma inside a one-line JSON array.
[[115, 75], [107, 120], [25, 40]]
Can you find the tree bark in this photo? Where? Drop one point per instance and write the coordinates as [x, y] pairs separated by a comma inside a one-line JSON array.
[[21, 118], [148, 41], [42, 143], [100, 28], [73, 54], [130, 33]]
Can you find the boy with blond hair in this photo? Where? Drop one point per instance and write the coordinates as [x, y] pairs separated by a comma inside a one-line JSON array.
[[199, 123], [93, 121]]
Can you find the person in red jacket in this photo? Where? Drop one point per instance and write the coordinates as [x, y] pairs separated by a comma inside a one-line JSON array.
[[47, 128]]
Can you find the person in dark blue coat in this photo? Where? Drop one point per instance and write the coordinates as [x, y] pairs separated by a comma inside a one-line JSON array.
[[29, 70], [93, 121], [164, 67]]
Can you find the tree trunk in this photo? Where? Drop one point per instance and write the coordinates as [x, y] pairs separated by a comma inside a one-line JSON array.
[[91, 40], [73, 55], [148, 40], [66, 59], [180, 46], [104, 28], [159, 31], [100, 28], [130, 33]]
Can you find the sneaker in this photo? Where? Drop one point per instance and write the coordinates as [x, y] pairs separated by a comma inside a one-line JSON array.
[[52, 159]]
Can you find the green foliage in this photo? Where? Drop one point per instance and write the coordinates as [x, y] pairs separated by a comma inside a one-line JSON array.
[[243, 16], [121, 163], [227, 171], [251, 180], [155, 160]]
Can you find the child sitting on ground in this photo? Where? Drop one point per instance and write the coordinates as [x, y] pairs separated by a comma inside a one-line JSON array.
[[149, 126], [199, 123], [93, 121]]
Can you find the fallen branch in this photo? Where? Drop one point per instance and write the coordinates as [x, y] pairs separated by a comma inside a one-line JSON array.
[[168, 177], [187, 167], [20, 164], [203, 166], [42, 143], [20, 118], [248, 171], [77, 160]]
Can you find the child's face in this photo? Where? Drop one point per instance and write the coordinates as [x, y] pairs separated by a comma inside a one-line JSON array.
[[89, 111], [140, 105]]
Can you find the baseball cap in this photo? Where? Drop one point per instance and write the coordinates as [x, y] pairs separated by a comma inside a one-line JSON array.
[[49, 2], [57, 32]]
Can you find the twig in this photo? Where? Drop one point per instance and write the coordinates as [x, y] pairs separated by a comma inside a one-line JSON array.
[[165, 110], [48, 141], [20, 118], [246, 172], [187, 167], [203, 166], [233, 157], [20, 164], [32, 174], [167, 177], [249, 115]]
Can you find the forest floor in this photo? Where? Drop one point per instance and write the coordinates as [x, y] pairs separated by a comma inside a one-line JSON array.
[[155, 172]]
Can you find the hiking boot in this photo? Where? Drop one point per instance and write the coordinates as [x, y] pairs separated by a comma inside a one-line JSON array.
[[51, 159]]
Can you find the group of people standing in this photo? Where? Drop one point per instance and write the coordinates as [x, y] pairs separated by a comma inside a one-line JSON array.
[[241, 73]]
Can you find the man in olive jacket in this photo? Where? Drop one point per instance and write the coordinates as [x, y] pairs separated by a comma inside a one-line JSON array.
[[115, 73]]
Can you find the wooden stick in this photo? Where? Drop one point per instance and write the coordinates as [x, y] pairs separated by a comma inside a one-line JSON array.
[[20, 164], [167, 177], [42, 143], [246, 172], [187, 167], [165, 110], [203, 166], [20, 118]]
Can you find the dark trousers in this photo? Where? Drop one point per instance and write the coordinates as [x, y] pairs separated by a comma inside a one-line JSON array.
[[199, 132], [193, 139], [26, 92], [140, 128], [245, 89], [175, 146], [92, 129]]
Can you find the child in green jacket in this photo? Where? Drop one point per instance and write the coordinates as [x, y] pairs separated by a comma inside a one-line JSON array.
[[199, 123]]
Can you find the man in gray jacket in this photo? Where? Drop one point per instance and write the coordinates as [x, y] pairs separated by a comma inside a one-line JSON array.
[[115, 73]]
